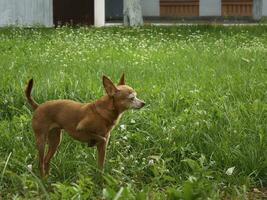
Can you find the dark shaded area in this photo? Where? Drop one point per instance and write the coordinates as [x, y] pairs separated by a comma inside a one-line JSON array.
[[73, 12], [114, 9]]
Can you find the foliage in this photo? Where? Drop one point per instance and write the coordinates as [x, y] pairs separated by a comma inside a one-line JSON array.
[[202, 134]]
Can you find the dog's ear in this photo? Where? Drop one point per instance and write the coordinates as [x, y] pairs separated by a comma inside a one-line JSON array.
[[109, 86], [122, 80]]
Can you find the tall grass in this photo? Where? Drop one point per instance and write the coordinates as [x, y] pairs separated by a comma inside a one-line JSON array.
[[202, 134]]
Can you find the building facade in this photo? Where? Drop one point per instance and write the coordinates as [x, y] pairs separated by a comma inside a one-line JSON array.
[[97, 12]]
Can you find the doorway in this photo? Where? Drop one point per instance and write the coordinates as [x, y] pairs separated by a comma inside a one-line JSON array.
[[73, 12]]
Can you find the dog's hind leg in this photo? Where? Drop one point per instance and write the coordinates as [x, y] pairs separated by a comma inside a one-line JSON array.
[[54, 138], [40, 139]]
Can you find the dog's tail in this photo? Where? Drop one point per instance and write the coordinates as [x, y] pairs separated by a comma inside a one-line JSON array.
[[28, 95]]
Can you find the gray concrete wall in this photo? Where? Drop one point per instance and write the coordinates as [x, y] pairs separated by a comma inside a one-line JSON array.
[[210, 7], [150, 7], [26, 12], [264, 8]]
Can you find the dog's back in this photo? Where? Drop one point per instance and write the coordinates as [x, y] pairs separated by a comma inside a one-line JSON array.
[[63, 114]]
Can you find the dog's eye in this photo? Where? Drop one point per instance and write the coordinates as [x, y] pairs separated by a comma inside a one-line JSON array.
[[132, 98]]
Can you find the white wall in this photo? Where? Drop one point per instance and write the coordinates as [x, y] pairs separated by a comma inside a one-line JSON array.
[[99, 13], [209, 7], [26, 12], [264, 7], [150, 7]]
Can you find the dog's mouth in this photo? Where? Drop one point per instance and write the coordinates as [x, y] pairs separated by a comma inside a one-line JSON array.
[[139, 105]]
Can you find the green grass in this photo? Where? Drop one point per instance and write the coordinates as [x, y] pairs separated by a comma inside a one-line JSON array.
[[206, 94]]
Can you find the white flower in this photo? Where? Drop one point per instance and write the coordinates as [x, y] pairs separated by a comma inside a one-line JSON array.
[[151, 162], [19, 138], [29, 167], [230, 171], [192, 179], [123, 127]]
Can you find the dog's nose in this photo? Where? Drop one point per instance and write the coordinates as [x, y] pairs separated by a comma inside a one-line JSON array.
[[143, 104]]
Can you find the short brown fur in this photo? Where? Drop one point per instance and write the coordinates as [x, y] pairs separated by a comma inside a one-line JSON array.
[[87, 122]]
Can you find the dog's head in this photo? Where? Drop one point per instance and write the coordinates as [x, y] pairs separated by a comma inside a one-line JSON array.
[[123, 95]]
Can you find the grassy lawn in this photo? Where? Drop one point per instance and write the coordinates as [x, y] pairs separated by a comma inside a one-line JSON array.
[[202, 133]]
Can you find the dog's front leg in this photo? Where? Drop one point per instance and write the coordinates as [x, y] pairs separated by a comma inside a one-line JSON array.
[[96, 139], [101, 150]]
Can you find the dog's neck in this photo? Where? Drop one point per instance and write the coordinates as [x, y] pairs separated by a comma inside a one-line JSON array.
[[106, 108]]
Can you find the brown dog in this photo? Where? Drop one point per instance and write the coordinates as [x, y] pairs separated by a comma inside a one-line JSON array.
[[86, 122]]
